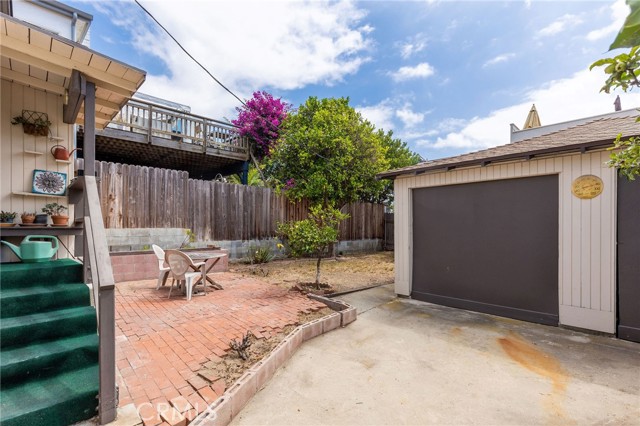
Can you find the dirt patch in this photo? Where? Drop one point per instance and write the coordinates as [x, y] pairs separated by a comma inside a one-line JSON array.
[[231, 367], [342, 274]]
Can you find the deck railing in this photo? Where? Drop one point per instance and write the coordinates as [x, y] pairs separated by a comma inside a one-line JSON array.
[[164, 122]]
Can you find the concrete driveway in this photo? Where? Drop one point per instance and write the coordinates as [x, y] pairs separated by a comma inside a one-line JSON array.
[[408, 362]]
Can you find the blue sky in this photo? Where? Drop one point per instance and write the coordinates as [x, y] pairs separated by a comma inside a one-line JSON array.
[[447, 77]]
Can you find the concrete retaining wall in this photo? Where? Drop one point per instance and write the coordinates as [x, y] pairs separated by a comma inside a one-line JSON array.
[[137, 239]]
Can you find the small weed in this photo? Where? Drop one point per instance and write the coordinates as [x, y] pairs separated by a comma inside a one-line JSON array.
[[260, 255], [189, 239], [242, 346]]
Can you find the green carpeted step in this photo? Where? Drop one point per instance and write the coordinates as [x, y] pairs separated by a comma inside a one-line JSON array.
[[59, 400], [30, 300], [19, 331], [18, 275], [45, 359]]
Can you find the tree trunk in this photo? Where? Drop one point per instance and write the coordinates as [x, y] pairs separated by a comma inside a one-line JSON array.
[[257, 166], [318, 272]]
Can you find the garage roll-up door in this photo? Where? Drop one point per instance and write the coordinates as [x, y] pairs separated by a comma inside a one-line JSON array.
[[489, 247]]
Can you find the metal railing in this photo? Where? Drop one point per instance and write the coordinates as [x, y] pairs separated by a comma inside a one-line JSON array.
[[164, 122], [98, 272]]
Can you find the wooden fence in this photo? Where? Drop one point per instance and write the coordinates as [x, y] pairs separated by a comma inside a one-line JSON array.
[[146, 197]]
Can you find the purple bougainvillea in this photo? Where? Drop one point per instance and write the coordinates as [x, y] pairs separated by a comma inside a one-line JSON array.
[[290, 183], [260, 120]]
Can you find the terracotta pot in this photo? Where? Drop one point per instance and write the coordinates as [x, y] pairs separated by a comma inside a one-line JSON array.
[[28, 219], [60, 220]]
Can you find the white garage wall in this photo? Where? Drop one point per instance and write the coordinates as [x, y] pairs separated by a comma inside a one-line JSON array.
[[586, 235]]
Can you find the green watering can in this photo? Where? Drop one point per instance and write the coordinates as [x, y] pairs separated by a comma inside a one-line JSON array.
[[35, 251]]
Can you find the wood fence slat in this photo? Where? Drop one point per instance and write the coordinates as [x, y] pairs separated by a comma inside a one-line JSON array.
[[147, 197]]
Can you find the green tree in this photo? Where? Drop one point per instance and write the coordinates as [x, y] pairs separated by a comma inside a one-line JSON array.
[[328, 154], [313, 236], [397, 155], [623, 71]]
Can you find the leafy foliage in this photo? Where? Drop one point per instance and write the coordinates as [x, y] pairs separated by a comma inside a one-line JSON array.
[[398, 155], [261, 254], [7, 216], [623, 71], [253, 178], [260, 120], [54, 209], [629, 34], [313, 236], [329, 154], [627, 160]]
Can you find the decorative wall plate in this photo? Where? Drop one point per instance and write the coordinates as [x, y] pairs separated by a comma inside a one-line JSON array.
[[49, 183], [587, 187]]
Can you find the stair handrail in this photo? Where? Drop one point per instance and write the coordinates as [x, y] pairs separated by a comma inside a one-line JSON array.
[[99, 272]]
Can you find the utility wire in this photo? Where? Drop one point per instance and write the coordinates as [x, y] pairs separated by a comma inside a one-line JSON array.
[[189, 54], [216, 80]]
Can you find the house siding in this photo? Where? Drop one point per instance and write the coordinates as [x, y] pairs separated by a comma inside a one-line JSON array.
[[586, 232], [16, 166]]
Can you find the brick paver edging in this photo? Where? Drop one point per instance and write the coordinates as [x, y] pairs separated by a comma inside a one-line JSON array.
[[224, 409]]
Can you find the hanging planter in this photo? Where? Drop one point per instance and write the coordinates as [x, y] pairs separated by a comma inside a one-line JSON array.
[[33, 122]]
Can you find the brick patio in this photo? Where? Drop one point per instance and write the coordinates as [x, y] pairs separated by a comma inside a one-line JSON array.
[[161, 343]]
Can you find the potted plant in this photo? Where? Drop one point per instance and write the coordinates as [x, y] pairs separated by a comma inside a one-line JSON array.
[[56, 211], [6, 218], [36, 126], [28, 217]]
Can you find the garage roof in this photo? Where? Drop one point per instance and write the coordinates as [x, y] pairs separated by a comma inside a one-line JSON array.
[[38, 58], [579, 135]]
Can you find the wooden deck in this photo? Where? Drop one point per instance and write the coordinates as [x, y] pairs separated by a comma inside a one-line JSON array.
[[147, 134]]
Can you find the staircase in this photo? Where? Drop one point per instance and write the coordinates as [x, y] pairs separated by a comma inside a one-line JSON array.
[[48, 345]]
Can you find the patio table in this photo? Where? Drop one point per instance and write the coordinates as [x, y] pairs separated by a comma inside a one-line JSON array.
[[210, 259]]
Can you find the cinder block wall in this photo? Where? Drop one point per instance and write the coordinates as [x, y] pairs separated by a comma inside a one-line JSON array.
[[135, 266], [141, 239]]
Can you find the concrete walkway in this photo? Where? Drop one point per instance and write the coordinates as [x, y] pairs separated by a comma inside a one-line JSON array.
[[408, 362]]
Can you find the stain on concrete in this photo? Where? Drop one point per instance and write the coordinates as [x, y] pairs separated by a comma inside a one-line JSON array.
[[394, 305], [367, 363], [579, 339], [543, 364]]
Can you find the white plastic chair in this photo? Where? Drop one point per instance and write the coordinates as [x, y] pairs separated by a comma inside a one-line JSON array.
[[185, 271], [164, 270]]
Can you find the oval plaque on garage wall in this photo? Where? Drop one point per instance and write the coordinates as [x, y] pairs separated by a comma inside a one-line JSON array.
[[587, 187]]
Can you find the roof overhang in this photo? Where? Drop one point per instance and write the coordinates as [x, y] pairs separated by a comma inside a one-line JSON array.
[[529, 155], [43, 60], [582, 135]]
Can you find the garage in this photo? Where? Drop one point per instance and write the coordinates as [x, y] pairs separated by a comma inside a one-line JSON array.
[[471, 240], [540, 229]]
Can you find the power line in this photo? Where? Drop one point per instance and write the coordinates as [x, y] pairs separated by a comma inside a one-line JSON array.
[[189, 54], [276, 128]]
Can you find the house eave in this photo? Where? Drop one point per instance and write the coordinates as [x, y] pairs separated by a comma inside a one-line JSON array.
[[529, 155]]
